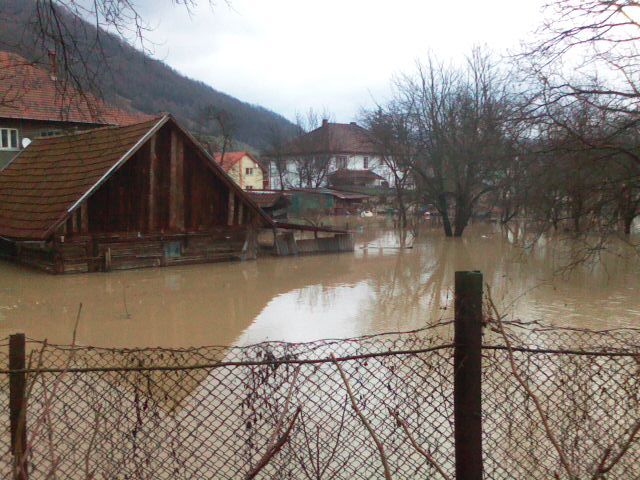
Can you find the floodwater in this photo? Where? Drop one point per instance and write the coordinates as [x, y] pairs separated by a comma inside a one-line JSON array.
[[378, 288]]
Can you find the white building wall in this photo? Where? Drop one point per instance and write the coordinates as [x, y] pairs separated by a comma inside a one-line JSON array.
[[350, 162]]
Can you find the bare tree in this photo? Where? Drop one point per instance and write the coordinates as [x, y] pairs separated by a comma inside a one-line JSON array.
[[391, 129], [75, 31], [457, 122], [276, 157], [220, 123], [308, 155]]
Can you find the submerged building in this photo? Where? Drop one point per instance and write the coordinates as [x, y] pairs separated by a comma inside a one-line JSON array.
[[141, 195]]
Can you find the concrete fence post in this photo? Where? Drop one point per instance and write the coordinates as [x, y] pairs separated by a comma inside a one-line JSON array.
[[467, 391], [17, 405]]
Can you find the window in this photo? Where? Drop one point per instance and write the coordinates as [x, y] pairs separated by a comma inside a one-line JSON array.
[[342, 162], [365, 163], [9, 139], [248, 171]]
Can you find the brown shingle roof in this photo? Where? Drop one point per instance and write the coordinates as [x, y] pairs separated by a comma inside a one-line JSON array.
[[28, 92], [333, 138], [48, 179], [41, 184]]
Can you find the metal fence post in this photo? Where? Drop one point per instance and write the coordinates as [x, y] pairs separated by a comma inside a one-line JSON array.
[[467, 390], [17, 403]]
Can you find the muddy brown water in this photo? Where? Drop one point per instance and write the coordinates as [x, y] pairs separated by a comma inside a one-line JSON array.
[[378, 288]]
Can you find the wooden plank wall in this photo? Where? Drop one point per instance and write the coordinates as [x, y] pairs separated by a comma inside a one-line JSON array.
[[165, 187], [166, 193]]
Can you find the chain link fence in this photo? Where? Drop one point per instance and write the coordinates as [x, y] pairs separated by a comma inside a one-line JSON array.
[[556, 403]]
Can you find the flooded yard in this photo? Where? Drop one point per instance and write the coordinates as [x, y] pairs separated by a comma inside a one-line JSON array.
[[379, 288]]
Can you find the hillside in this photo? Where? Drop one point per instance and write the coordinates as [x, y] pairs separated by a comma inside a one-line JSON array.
[[145, 84]]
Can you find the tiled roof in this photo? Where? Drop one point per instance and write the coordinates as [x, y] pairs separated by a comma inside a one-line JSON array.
[[333, 138], [28, 92], [231, 158], [46, 181], [42, 183]]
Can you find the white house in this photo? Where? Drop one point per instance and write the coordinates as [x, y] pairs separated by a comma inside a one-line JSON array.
[[312, 159]]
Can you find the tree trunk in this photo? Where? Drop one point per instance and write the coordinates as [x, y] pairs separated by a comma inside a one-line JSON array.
[[463, 214], [444, 211], [461, 221], [628, 222], [402, 209]]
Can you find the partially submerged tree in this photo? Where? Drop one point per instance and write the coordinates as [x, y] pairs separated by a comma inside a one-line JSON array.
[[390, 128], [456, 121], [276, 157]]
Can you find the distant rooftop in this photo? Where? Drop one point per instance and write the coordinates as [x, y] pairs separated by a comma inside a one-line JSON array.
[[348, 174], [333, 138], [231, 158], [32, 93]]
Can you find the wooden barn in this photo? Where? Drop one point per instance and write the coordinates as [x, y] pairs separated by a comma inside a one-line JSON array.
[[123, 197]]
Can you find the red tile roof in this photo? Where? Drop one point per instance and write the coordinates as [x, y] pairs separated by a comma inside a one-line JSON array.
[[28, 92], [45, 182], [231, 158], [333, 138]]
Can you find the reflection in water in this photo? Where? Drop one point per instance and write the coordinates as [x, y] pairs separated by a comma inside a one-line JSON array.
[[380, 287]]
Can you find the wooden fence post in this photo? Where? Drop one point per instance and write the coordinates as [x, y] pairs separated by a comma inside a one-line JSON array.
[[467, 390], [17, 402]]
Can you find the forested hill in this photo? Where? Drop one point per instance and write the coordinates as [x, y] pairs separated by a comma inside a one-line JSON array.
[[146, 84]]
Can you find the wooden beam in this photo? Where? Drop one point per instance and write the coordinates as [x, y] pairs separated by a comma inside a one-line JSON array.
[[240, 212], [176, 186], [467, 367], [84, 218], [230, 210], [236, 202], [153, 182]]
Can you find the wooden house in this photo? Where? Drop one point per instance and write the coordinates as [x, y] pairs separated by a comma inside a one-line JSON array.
[[141, 195]]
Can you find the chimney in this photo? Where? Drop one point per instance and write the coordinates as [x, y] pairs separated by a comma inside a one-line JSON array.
[[354, 124], [325, 122], [53, 65]]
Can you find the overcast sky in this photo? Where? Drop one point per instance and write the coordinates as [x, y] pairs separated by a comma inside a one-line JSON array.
[[290, 55]]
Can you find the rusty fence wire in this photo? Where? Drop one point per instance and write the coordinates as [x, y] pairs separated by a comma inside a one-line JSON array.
[[557, 403]]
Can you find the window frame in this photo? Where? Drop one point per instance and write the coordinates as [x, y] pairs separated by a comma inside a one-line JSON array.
[[8, 131]]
